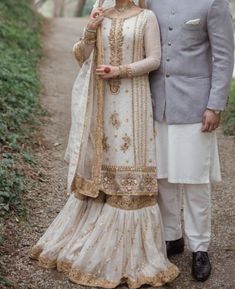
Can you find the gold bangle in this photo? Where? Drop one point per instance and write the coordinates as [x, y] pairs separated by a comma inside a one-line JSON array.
[[91, 30], [89, 37]]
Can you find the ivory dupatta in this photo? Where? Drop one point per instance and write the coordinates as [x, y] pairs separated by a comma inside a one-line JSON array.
[[84, 150]]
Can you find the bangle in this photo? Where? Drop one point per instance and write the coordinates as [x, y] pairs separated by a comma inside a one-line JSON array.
[[89, 37], [91, 30]]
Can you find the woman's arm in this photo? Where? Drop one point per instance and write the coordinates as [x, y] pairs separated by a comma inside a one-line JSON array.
[[83, 49], [152, 45], [152, 58]]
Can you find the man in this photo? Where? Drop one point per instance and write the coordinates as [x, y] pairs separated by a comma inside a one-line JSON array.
[[189, 92]]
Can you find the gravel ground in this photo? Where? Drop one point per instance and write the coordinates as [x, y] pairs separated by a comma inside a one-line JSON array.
[[48, 192]]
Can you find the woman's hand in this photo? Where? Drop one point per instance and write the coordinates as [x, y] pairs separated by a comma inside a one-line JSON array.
[[107, 71], [96, 18]]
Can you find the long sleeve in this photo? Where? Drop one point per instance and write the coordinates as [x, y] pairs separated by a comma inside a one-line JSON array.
[[220, 29], [152, 47], [83, 49]]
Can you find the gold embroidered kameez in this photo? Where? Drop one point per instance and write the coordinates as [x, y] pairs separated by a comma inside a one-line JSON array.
[[112, 234]]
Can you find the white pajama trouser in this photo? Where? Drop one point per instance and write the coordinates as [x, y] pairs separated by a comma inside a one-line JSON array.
[[187, 162], [197, 213]]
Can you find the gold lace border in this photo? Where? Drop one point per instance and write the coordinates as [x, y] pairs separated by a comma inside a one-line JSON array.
[[87, 279], [132, 184], [131, 202]]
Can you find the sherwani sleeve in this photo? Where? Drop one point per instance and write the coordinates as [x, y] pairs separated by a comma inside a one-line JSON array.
[[83, 48], [220, 30], [152, 47]]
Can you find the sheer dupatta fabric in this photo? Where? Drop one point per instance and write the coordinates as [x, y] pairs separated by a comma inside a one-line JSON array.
[[84, 150]]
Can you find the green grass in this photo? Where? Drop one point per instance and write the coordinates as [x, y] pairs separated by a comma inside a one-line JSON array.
[[19, 106], [228, 117]]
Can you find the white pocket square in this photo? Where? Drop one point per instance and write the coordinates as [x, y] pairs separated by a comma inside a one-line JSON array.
[[193, 22]]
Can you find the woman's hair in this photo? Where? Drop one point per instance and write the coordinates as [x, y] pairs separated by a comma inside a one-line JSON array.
[[142, 3]]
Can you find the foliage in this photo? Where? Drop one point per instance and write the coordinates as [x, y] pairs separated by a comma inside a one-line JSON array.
[[228, 117], [19, 106], [6, 282], [88, 7]]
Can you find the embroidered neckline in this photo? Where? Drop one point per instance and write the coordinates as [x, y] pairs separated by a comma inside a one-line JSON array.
[[125, 18]]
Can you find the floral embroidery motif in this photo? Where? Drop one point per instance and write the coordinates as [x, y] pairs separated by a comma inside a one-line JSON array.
[[115, 120], [106, 146], [108, 180], [129, 183], [126, 143], [148, 182]]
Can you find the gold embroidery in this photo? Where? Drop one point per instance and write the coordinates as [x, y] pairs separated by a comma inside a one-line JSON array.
[[115, 120], [78, 50], [140, 86], [106, 146], [129, 183], [127, 143], [95, 280], [64, 266], [35, 252], [126, 182], [148, 182], [89, 37], [116, 39], [131, 202], [125, 71], [108, 180], [129, 169]]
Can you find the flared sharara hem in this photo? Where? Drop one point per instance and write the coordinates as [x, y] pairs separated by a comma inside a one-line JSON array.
[[96, 244]]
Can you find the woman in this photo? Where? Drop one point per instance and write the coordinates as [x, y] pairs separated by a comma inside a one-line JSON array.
[[110, 230]]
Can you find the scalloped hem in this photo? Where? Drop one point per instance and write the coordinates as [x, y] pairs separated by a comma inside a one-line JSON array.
[[93, 280], [158, 280]]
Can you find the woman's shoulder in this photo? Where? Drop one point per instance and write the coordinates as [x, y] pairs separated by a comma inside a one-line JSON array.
[[149, 13]]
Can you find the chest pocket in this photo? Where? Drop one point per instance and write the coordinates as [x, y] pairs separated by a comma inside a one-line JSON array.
[[192, 34]]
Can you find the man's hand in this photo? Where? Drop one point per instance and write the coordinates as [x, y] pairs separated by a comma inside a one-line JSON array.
[[210, 121]]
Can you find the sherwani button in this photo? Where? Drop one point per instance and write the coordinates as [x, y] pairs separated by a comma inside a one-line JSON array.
[[170, 28], [169, 43], [168, 59], [173, 12], [167, 75]]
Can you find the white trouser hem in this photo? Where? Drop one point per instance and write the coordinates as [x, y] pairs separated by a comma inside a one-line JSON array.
[[197, 213]]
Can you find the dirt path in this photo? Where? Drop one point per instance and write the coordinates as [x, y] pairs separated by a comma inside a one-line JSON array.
[[45, 199]]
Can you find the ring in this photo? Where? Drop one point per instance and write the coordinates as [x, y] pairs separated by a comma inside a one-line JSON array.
[[107, 70], [96, 15]]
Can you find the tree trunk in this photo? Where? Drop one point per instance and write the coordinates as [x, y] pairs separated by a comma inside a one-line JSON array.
[[80, 5], [58, 8]]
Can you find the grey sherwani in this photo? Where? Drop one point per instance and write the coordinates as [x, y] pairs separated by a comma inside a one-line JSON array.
[[197, 59]]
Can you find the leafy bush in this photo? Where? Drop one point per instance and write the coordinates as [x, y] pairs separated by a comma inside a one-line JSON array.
[[228, 117], [19, 106]]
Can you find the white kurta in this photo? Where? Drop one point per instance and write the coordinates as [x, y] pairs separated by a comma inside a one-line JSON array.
[[185, 155]]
